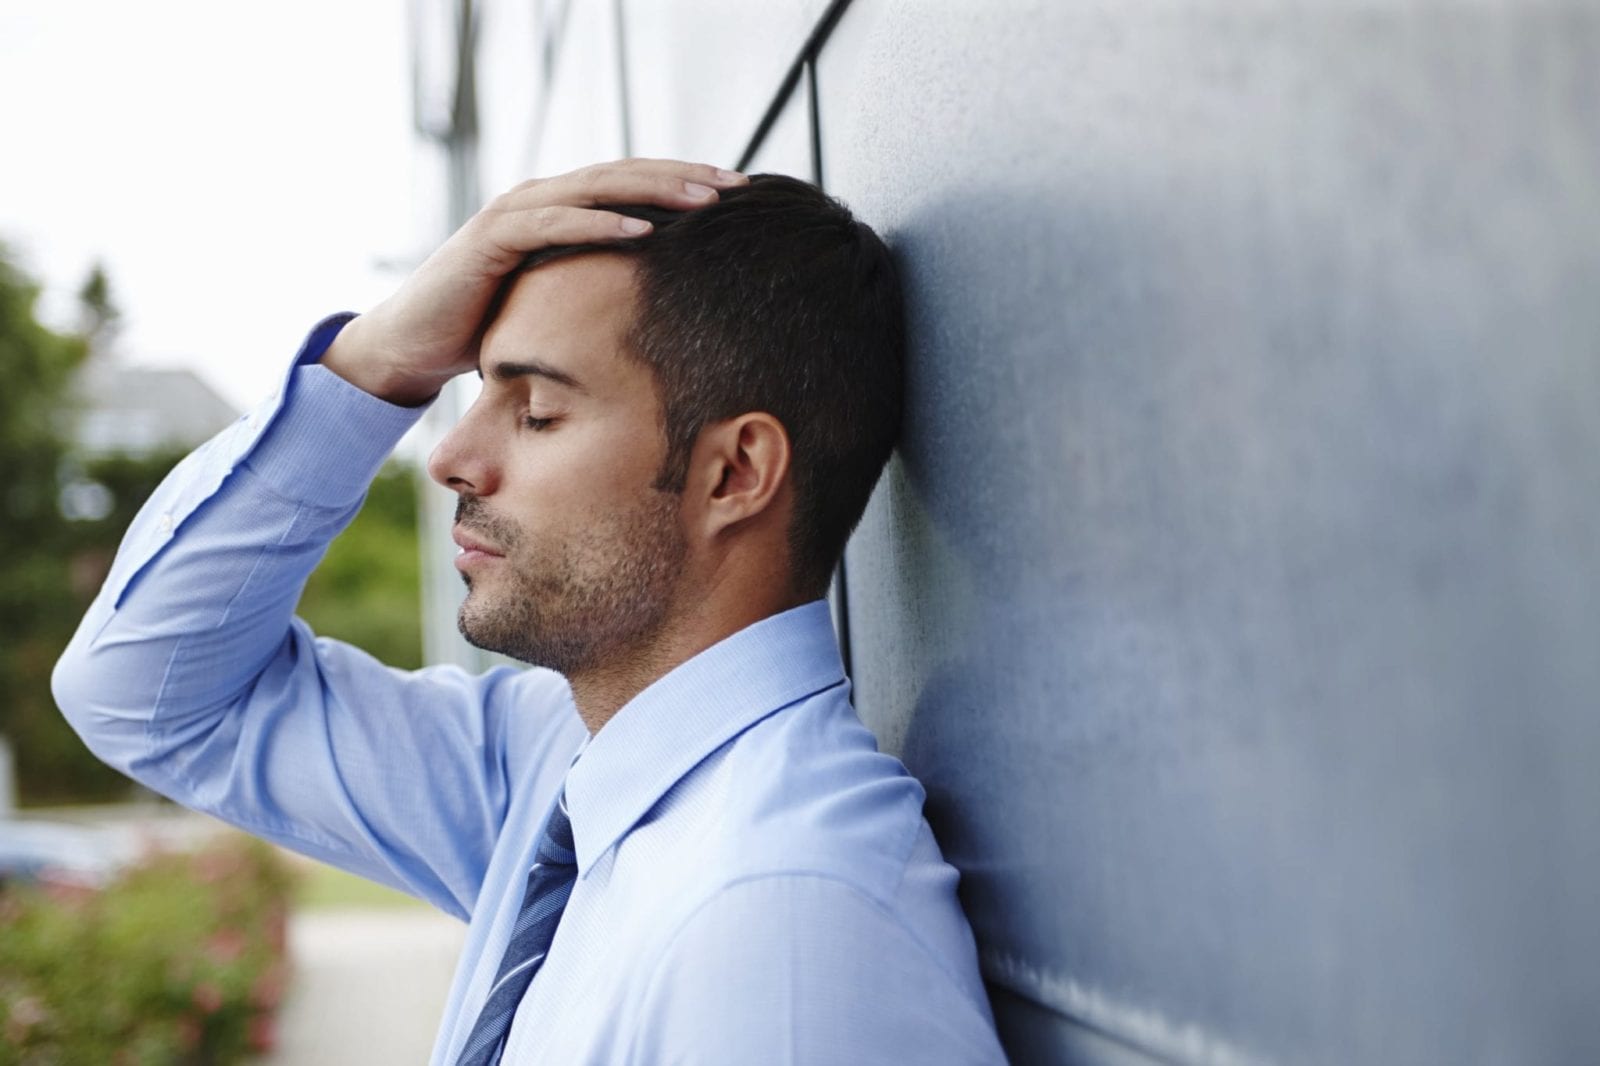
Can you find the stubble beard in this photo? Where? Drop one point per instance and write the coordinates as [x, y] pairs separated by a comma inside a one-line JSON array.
[[598, 599]]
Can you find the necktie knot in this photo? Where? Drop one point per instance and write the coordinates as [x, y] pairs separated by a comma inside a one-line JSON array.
[[555, 843]]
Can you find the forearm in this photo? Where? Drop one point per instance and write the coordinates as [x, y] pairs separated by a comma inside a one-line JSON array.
[[202, 593], [191, 674]]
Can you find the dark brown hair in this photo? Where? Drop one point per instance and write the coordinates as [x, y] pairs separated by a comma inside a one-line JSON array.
[[776, 299]]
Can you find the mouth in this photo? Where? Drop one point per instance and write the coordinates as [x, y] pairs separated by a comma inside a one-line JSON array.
[[472, 550]]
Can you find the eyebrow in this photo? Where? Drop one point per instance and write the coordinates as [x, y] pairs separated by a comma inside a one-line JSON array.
[[508, 371]]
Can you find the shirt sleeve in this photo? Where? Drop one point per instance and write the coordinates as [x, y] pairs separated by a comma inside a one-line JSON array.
[[190, 673], [796, 970]]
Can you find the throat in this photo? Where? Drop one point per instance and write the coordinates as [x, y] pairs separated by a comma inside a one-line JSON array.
[[601, 692]]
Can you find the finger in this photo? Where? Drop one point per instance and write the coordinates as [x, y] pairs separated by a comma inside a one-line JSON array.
[[662, 182], [516, 233], [703, 173]]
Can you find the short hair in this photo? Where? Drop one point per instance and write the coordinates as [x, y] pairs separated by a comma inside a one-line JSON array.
[[776, 299]]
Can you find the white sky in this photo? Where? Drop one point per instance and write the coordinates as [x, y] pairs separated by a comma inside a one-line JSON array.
[[241, 169]]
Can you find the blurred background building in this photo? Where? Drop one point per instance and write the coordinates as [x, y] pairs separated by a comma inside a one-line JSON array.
[[137, 410]]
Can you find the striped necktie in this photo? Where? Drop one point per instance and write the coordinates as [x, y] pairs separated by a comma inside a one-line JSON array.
[[549, 884]]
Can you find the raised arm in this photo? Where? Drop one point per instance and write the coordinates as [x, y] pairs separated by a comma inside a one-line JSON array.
[[407, 347], [189, 671]]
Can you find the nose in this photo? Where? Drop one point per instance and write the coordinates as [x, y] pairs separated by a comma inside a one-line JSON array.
[[460, 462]]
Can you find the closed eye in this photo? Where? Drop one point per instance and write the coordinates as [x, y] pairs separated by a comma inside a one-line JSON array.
[[536, 424]]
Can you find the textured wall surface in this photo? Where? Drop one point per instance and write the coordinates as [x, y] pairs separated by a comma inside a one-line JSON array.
[[1236, 590]]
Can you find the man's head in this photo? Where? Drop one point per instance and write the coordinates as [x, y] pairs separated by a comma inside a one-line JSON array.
[[776, 299], [734, 375]]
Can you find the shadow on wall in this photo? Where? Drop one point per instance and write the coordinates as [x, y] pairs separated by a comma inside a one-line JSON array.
[[1222, 539]]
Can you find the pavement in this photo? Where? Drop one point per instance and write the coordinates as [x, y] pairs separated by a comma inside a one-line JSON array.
[[368, 986]]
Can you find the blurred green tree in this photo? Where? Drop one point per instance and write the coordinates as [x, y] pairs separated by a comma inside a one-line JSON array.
[[366, 591], [101, 317], [36, 366]]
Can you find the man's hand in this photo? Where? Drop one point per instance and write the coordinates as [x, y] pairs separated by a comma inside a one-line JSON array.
[[408, 346]]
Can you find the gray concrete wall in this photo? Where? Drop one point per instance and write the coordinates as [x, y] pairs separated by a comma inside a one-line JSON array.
[[1235, 590]]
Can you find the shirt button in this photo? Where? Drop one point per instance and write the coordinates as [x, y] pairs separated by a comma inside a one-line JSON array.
[[166, 523]]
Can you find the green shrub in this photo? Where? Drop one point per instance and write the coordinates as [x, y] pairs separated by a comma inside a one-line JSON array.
[[179, 961]]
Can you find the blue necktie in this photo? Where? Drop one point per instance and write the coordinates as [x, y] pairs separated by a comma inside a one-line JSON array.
[[550, 882]]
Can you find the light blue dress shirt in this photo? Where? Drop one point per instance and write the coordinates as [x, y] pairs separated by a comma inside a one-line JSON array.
[[756, 882]]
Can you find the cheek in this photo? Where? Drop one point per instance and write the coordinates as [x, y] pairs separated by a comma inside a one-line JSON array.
[[584, 474], [620, 457]]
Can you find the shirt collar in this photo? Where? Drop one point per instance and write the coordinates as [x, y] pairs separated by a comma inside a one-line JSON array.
[[666, 730]]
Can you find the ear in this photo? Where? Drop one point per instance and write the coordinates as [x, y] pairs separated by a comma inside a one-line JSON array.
[[738, 469]]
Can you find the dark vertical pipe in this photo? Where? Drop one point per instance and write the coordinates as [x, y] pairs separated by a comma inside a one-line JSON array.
[[841, 587]]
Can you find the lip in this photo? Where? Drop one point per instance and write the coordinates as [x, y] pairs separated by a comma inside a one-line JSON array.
[[473, 550]]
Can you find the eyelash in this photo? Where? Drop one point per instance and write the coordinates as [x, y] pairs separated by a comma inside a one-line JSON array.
[[536, 424]]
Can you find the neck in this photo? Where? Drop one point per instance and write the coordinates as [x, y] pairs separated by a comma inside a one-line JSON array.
[[604, 690], [601, 693]]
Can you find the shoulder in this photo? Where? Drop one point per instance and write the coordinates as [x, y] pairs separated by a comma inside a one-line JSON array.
[[825, 920], [806, 791], [792, 968]]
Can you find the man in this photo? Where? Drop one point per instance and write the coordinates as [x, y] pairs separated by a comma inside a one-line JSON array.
[[674, 840]]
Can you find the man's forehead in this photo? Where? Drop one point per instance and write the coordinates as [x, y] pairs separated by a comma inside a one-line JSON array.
[[564, 318]]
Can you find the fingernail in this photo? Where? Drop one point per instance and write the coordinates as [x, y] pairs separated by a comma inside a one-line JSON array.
[[635, 225], [698, 191], [729, 175]]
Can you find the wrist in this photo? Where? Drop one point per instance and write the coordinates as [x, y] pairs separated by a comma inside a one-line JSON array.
[[363, 366]]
